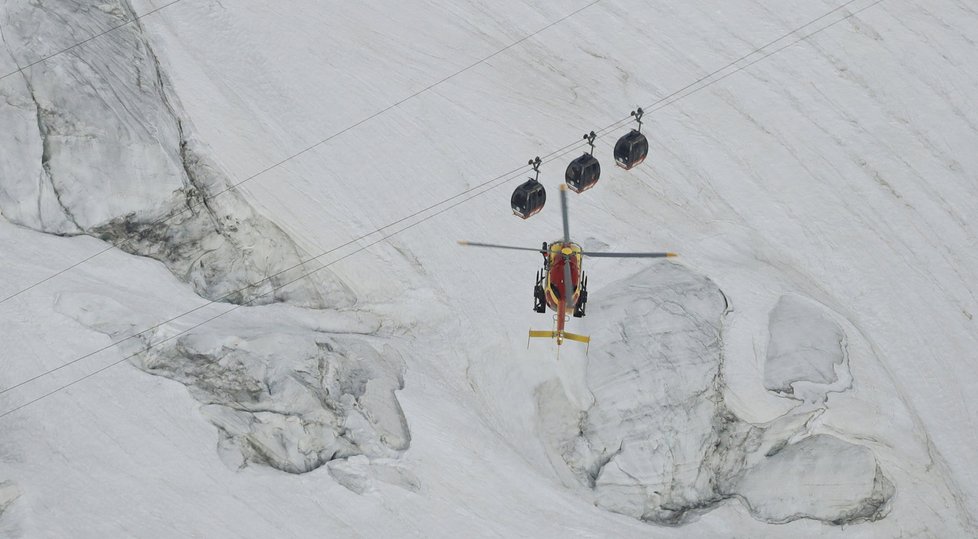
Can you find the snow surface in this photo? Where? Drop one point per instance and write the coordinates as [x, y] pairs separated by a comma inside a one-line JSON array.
[[805, 369]]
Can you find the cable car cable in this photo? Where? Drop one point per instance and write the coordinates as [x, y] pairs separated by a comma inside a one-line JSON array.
[[211, 302], [20, 69], [239, 290], [576, 143], [661, 103], [548, 157], [207, 198], [657, 105], [508, 176]]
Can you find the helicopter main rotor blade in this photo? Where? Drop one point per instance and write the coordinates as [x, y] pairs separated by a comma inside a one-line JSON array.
[[496, 246], [568, 285], [563, 211], [630, 255]]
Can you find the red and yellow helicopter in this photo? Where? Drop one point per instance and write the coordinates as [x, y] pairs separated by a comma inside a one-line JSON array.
[[561, 284]]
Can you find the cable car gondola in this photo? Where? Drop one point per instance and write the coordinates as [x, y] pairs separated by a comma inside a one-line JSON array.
[[583, 172], [633, 147], [529, 198]]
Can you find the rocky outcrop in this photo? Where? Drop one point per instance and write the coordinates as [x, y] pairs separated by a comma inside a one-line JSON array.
[[286, 387], [659, 443], [328, 397], [820, 477], [104, 148], [806, 352], [100, 145], [656, 414]]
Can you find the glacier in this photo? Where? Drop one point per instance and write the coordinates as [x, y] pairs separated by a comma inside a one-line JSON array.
[[279, 361]]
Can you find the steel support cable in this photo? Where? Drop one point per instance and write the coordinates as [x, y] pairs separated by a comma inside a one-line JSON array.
[[657, 105], [550, 157], [247, 287], [675, 96], [20, 69], [207, 198], [231, 309], [502, 179]]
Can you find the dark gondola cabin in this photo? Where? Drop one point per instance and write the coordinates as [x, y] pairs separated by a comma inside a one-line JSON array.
[[631, 149], [582, 173], [528, 199]]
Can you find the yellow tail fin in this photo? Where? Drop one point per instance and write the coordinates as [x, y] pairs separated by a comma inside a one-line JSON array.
[[559, 335], [579, 338]]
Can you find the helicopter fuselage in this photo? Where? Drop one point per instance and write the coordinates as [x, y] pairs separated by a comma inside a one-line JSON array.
[[561, 285], [553, 285]]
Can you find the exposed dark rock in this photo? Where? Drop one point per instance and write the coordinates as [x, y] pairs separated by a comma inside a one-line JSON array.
[[805, 346], [659, 442], [118, 161], [108, 151], [284, 400]]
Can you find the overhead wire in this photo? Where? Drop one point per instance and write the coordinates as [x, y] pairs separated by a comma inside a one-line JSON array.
[[660, 103], [668, 99], [192, 205], [20, 69], [239, 291], [499, 180], [211, 302]]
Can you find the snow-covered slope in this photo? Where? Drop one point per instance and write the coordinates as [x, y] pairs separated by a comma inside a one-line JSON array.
[[806, 364], [102, 148]]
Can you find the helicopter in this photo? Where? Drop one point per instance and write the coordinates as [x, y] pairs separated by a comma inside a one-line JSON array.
[[561, 285]]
